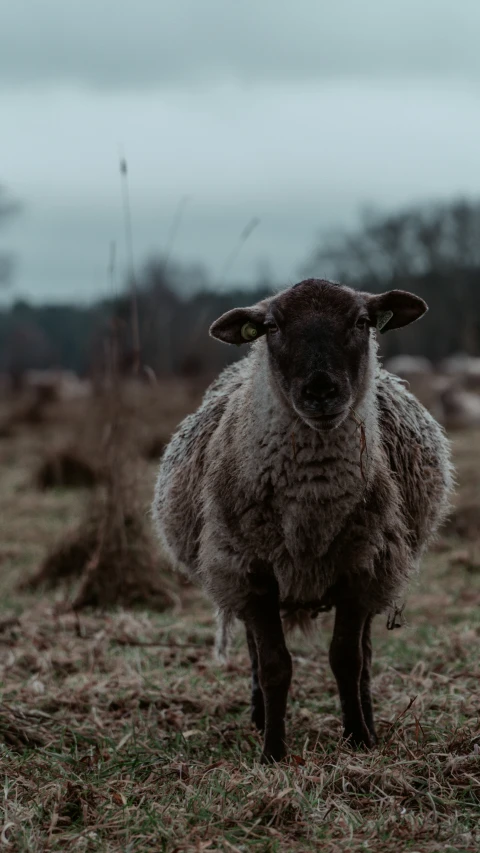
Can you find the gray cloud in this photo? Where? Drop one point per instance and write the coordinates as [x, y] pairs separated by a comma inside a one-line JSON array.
[[302, 158], [295, 111], [138, 43]]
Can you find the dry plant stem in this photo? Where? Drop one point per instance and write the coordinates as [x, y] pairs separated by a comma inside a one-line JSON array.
[[129, 242], [363, 440], [294, 446]]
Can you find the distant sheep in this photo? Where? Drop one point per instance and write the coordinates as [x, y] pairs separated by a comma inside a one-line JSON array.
[[461, 408], [464, 368], [62, 385], [407, 366], [309, 478]]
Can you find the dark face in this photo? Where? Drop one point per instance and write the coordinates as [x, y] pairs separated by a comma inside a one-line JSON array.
[[318, 340]]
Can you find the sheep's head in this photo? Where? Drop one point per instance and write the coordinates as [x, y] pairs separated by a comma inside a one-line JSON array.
[[318, 337]]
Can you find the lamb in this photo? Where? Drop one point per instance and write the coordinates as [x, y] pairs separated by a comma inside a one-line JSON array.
[[308, 479]]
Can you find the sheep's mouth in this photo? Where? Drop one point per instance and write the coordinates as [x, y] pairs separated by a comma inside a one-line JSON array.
[[325, 422]]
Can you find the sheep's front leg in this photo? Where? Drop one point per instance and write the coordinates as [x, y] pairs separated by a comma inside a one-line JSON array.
[[257, 706], [262, 620], [347, 662]]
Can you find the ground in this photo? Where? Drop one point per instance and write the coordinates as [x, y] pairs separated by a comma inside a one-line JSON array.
[[119, 731]]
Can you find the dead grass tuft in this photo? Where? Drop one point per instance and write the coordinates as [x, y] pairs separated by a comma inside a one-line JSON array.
[[31, 407], [6, 429], [115, 559], [67, 468], [125, 567], [153, 449], [464, 521]]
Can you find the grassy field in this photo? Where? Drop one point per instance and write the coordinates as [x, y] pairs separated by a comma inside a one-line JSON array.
[[119, 732]]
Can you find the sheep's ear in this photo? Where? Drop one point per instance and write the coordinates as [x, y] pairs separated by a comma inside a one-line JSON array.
[[395, 309], [239, 326]]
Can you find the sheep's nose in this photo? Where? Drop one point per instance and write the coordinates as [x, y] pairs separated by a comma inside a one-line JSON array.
[[319, 389]]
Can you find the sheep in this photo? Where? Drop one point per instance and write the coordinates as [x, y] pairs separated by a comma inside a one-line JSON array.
[[308, 479], [461, 408], [464, 368], [408, 366], [62, 385]]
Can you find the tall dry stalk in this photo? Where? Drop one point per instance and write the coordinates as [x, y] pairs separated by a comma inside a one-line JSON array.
[[127, 217], [112, 549]]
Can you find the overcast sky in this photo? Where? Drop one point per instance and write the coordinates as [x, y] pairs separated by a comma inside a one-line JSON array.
[[296, 112]]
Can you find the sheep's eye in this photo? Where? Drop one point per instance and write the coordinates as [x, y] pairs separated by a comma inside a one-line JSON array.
[[272, 328], [362, 323]]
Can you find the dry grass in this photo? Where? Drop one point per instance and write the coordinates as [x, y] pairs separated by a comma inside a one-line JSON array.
[[67, 468], [113, 561], [118, 731], [154, 447]]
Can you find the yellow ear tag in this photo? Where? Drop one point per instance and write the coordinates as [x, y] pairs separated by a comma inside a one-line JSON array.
[[383, 319], [248, 331]]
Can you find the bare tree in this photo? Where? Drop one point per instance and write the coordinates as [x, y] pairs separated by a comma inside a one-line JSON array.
[[417, 241], [433, 250]]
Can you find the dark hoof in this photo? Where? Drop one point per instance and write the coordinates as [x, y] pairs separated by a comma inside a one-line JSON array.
[[273, 756], [360, 739], [273, 753]]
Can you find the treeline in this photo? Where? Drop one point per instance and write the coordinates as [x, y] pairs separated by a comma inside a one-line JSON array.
[[432, 250], [173, 329]]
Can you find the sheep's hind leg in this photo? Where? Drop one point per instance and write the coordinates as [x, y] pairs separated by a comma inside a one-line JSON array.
[[262, 620], [258, 706], [346, 660], [365, 690]]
